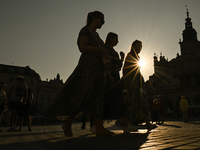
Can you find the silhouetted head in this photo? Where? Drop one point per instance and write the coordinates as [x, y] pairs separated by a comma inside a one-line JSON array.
[[111, 39], [136, 47], [20, 79], [155, 101], [94, 15], [182, 97]]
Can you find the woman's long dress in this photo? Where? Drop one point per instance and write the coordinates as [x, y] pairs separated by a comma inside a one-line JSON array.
[[83, 90], [114, 105], [135, 99]]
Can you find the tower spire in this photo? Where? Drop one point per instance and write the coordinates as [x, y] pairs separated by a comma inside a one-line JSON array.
[[187, 12], [189, 35]]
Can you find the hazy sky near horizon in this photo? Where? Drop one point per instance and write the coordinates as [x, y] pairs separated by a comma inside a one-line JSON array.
[[42, 34]]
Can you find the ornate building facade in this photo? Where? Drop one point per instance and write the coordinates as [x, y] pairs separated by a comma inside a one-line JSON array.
[[9, 73], [47, 91], [179, 76], [43, 91]]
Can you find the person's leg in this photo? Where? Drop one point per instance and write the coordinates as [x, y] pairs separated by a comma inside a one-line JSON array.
[[83, 122], [20, 113], [28, 118], [149, 125], [183, 115], [91, 121], [124, 121], [12, 117], [12, 113], [20, 123], [187, 116], [67, 127], [21, 119], [159, 116], [1, 114], [127, 126], [100, 129], [162, 116]]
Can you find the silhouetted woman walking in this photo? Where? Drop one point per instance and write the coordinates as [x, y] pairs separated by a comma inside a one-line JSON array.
[[83, 90], [136, 102], [114, 105]]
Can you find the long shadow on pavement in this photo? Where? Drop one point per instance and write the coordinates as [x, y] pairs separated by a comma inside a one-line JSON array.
[[175, 126], [121, 141]]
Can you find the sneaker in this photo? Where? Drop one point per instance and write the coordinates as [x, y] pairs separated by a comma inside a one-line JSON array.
[[130, 128]]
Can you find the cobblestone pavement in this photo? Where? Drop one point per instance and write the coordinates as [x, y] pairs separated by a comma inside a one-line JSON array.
[[171, 135]]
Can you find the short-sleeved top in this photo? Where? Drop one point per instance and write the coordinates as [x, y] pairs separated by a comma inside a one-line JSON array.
[[18, 92], [93, 37]]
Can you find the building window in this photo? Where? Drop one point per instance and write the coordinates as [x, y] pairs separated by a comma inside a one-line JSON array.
[[11, 80], [11, 69], [21, 71]]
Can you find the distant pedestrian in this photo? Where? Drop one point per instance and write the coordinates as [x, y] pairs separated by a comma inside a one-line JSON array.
[[17, 96], [160, 105], [25, 111], [3, 99], [168, 112], [154, 115], [184, 105], [83, 126]]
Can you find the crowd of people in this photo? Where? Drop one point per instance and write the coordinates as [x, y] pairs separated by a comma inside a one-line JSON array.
[[18, 100], [95, 88], [158, 110]]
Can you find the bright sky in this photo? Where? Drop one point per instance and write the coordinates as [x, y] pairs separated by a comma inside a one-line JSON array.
[[42, 34]]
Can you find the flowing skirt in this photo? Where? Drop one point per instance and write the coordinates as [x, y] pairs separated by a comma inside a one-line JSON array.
[[135, 99], [83, 90]]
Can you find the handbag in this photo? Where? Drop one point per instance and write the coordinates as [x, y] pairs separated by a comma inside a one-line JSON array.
[[105, 60]]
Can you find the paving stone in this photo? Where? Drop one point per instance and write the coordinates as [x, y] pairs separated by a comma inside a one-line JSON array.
[[171, 135]]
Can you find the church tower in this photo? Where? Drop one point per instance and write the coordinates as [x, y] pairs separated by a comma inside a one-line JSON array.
[[190, 44]]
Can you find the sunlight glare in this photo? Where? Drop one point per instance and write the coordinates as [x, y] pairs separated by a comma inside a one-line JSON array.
[[141, 63]]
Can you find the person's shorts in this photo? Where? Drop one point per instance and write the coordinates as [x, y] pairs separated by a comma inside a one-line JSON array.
[[17, 106], [25, 111]]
